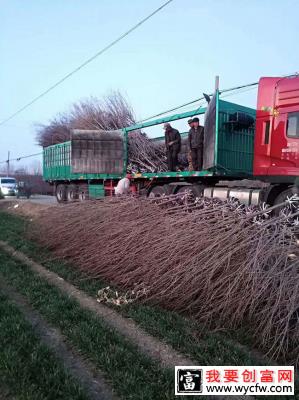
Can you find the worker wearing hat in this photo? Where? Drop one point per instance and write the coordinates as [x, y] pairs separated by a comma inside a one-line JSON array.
[[173, 146], [195, 140], [190, 122]]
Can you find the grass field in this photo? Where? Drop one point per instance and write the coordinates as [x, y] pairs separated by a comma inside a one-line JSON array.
[[100, 344], [27, 367], [131, 374]]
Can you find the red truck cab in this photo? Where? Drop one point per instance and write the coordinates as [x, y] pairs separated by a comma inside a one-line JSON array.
[[276, 148]]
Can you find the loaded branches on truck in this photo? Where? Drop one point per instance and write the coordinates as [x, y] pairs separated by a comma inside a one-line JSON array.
[[239, 143]]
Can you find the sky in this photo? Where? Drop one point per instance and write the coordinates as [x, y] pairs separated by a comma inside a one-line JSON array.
[[168, 61]]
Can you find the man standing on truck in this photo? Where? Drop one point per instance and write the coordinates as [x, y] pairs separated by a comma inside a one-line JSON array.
[[190, 123], [195, 139], [173, 146]]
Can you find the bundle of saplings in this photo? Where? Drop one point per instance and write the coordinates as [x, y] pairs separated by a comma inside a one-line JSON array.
[[113, 112], [228, 265]]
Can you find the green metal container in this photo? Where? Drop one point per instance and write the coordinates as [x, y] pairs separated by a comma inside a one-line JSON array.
[[234, 147], [61, 160], [96, 191], [57, 162], [228, 151]]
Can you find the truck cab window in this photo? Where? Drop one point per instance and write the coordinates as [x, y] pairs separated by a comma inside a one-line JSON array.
[[293, 125]]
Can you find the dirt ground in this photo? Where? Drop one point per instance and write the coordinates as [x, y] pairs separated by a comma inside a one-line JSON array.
[[25, 208]]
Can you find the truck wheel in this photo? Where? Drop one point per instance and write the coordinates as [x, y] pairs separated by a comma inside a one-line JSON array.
[[83, 193], [71, 193], [196, 190], [283, 196], [184, 189], [158, 191], [61, 193]]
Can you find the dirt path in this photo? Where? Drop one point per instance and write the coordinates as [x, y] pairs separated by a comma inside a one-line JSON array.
[[149, 345], [84, 372], [27, 208]]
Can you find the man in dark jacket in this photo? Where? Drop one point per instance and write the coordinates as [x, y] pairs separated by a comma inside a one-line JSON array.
[[195, 139], [173, 146]]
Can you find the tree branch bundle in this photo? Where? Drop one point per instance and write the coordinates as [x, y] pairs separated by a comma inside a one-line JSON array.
[[113, 113], [222, 263]]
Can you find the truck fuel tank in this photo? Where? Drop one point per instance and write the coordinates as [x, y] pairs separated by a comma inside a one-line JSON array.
[[244, 195]]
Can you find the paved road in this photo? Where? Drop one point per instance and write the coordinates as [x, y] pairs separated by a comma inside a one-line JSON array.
[[37, 198]]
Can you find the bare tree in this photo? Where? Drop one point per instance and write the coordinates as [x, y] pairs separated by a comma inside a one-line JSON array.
[[35, 168], [112, 112], [56, 132], [21, 170], [3, 169]]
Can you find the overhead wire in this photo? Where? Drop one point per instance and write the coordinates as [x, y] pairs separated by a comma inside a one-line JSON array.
[[195, 101], [199, 105], [240, 91], [21, 158], [89, 60], [185, 107], [249, 85], [229, 92]]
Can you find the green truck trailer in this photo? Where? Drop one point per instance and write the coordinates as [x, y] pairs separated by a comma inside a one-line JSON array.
[[91, 163]]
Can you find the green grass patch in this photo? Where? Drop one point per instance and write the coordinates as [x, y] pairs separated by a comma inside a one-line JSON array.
[[27, 367], [183, 334], [133, 375]]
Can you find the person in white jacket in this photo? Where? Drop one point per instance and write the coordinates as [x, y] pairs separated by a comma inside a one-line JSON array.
[[123, 186]]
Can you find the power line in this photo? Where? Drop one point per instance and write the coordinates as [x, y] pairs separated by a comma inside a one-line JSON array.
[[21, 158], [249, 85], [170, 110], [195, 101], [89, 60], [238, 89], [229, 94]]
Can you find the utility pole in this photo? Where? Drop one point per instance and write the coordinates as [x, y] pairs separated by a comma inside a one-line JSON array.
[[8, 163], [217, 82]]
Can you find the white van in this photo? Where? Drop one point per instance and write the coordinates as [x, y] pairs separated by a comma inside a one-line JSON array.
[[8, 186]]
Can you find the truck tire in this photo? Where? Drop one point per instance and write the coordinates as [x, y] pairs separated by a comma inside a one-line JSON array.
[[71, 193], [196, 190], [283, 197], [60, 193], [184, 189], [83, 193], [158, 191]]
